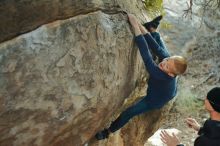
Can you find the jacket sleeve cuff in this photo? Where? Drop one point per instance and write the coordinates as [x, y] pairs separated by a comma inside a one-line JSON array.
[[200, 131]]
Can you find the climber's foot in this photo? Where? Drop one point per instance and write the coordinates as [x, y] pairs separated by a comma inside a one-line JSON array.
[[102, 134]]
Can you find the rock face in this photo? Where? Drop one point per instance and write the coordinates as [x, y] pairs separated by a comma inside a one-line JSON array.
[[63, 81], [18, 17], [27, 15]]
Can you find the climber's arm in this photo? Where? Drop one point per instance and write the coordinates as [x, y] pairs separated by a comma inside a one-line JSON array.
[[134, 23], [157, 38], [150, 65], [157, 46]]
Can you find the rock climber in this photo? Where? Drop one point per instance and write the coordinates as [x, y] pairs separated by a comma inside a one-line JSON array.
[[162, 86]]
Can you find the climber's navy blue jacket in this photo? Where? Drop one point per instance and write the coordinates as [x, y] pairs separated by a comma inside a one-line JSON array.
[[161, 86]]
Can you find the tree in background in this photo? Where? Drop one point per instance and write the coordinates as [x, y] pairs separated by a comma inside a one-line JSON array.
[[154, 7], [204, 4]]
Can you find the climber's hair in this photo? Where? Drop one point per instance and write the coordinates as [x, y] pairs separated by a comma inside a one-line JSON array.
[[180, 64]]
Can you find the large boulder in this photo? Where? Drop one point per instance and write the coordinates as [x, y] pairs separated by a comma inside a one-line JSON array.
[[62, 82], [18, 17]]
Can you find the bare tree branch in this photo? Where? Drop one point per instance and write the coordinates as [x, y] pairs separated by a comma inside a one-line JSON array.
[[188, 11], [205, 5]]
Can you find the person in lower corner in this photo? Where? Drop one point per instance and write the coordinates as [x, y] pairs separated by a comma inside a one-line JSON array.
[[162, 78], [209, 134]]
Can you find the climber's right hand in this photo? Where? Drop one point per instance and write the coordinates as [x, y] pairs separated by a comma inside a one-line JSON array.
[[132, 19]]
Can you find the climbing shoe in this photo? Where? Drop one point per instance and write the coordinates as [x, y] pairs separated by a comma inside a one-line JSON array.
[[154, 23], [102, 134]]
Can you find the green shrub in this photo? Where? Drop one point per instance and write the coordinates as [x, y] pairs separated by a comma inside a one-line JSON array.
[[188, 103], [154, 7]]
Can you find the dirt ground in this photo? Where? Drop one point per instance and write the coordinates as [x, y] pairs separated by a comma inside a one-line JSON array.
[[176, 119]]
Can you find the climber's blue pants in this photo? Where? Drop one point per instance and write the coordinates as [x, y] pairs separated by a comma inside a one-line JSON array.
[[140, 107]]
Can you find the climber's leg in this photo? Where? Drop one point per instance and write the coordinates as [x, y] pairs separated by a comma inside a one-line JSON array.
[[140, 107]]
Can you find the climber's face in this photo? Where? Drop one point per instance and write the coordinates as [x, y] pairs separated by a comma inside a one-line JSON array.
[[167, 65]]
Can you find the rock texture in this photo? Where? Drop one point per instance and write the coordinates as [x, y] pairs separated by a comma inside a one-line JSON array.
[[18, 17], [27, 15], [65, 80], [63, 71]]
